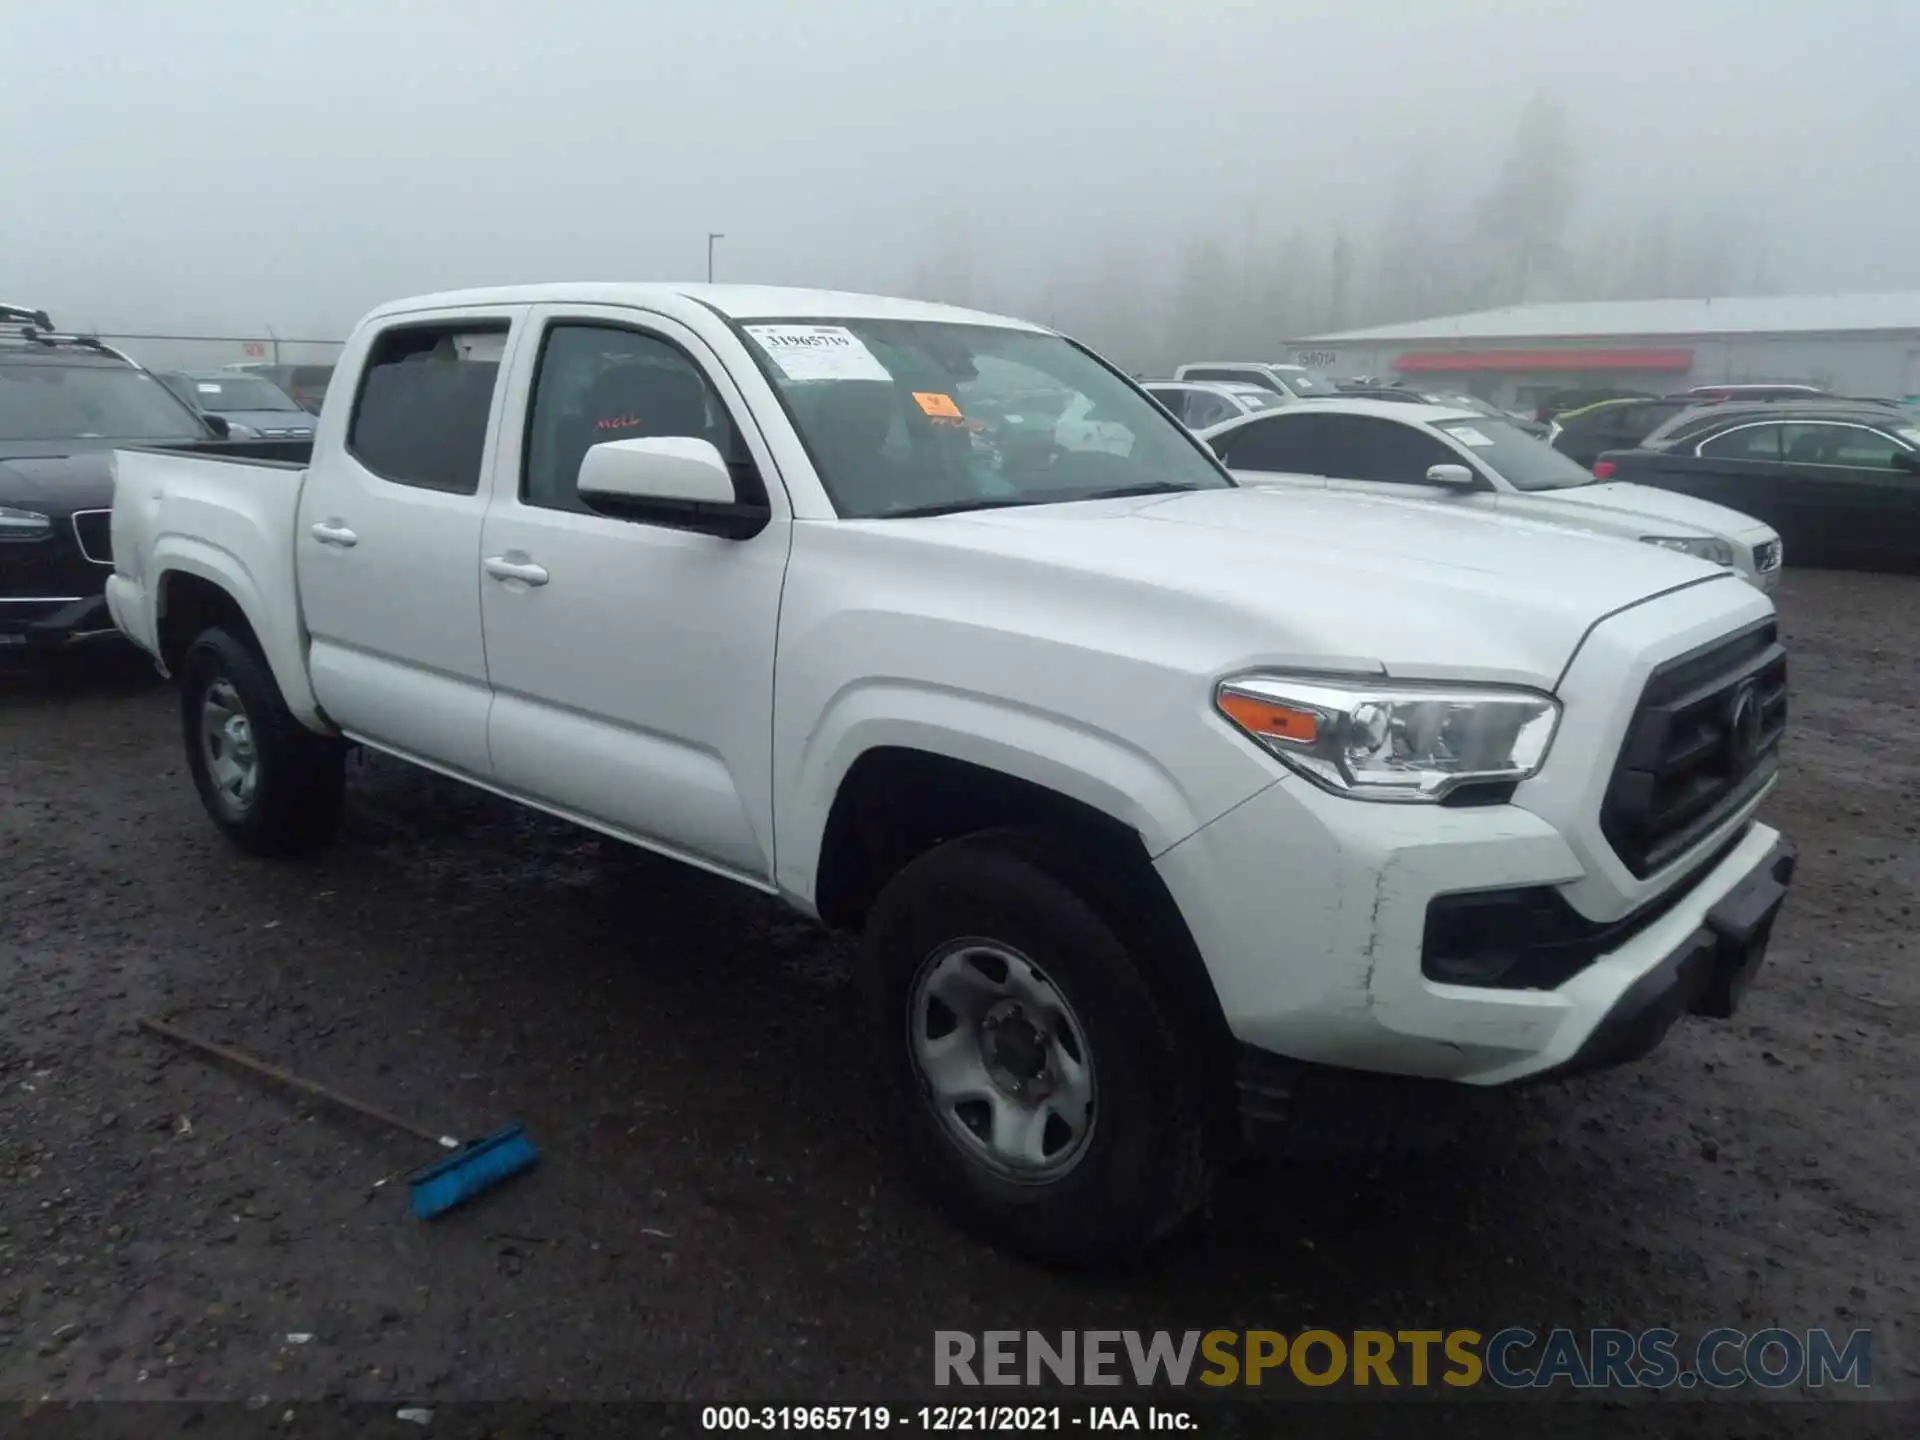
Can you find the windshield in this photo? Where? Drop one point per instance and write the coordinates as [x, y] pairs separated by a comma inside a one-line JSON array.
[[1518, 458], [1305, 382], [85, 402], [915, 417], [1254, 399], [238, 392]]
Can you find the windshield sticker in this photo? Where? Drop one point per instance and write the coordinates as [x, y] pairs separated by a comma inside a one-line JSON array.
[[1467, 435], [940, 407], [208, 389], [818, 352]]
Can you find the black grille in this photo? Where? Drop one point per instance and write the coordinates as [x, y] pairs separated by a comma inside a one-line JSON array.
[[1704, 741], [94, 530]]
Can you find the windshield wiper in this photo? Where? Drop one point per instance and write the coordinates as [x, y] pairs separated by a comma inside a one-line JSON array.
[[1127, 492], [952, 507], [1065, 497]]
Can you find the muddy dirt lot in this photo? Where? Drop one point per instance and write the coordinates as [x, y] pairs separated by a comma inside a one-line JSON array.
[[716, 1219]]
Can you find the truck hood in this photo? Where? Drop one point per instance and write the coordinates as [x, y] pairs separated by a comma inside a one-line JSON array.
[[58, 485], [1626, 508], [1327, 580]]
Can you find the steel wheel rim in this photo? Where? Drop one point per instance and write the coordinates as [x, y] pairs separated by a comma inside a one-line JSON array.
[[1002, 1060], [228, 744]]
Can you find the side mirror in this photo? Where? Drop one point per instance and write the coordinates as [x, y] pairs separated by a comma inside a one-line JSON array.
[[1452, 477], [1906, 460], [675, 481], [218, 425]]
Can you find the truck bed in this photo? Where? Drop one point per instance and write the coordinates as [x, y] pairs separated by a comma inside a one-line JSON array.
[[219, 511], [279, 453]]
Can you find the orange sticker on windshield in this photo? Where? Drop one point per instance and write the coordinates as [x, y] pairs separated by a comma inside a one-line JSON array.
[[938, 405]]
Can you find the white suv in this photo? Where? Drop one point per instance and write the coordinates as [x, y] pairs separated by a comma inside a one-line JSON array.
[[1294, 382]]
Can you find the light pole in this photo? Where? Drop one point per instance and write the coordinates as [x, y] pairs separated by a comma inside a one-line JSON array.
[[712, 235]]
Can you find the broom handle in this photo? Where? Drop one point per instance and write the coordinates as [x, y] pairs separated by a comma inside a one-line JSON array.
[[274, 1072]]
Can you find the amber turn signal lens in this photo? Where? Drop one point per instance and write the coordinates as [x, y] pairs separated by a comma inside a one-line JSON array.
[[1264, 717]]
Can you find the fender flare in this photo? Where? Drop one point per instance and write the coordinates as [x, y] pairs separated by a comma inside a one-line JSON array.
[[1043, 749], [179, 554]]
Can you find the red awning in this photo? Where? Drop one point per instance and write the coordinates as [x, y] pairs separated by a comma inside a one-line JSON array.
[[1552, 360]]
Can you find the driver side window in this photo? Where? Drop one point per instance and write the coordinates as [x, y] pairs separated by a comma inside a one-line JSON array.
[[597, 383]]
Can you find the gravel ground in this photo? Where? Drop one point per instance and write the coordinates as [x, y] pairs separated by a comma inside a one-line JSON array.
[[715, 1218]]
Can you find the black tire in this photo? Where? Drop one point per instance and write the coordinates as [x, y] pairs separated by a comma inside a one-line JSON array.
[[294, 806], [1146, 1162]]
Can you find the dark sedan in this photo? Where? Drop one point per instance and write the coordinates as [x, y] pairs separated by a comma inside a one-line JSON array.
[[1840, 482]]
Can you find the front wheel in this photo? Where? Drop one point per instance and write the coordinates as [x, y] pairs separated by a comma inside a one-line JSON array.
[[273, 786], [1042, 1090]]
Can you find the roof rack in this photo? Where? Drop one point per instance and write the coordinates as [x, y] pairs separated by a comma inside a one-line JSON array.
[[26, 315], [49, 338]]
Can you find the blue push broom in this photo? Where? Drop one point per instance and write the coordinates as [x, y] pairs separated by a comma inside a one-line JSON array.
[[473, 1167]]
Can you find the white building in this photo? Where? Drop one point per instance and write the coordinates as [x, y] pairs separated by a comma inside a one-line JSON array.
[[1866, 345]]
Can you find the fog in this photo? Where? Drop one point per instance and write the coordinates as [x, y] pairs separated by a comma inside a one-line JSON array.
[[1164, 178]]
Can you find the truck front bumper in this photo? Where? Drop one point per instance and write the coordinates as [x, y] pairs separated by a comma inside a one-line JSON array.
[[1312, 912]]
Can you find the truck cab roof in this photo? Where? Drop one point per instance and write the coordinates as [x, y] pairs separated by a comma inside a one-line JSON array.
[[735, 302]]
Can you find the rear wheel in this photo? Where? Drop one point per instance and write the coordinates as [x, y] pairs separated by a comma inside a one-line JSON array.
[[273, 786], [1042, 1090]]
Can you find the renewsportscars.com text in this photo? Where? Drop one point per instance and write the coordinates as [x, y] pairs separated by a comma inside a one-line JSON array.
[[1512, 1358]]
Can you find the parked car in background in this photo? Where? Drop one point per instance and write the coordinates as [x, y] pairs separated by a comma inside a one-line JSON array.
[[1584, 435], [1089, 748], [1581, 435], [307, 384], [1526, 424], [253, 406], [65, 402], [1407, 395], [1839, 481], [1575, 397], [1469, 461], [1294, 382], [1198, 404], [1770, 390]]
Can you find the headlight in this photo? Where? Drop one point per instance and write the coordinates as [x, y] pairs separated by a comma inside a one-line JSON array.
[[1393, 742], [22, 524], [1718, 551]]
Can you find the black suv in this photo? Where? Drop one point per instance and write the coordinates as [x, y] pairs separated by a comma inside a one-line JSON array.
[[65, 402]]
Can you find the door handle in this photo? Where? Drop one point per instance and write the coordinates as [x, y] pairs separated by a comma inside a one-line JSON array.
[[525, 571], [329, 533]]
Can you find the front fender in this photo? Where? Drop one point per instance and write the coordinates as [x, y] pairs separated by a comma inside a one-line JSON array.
[[1052, 751]]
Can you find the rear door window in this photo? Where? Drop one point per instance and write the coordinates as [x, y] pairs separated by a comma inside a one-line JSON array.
[[1283, 443], [1747, 442], [426, 397]]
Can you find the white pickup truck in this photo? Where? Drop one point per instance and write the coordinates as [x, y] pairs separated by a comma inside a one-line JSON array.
[[1165, 804]]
